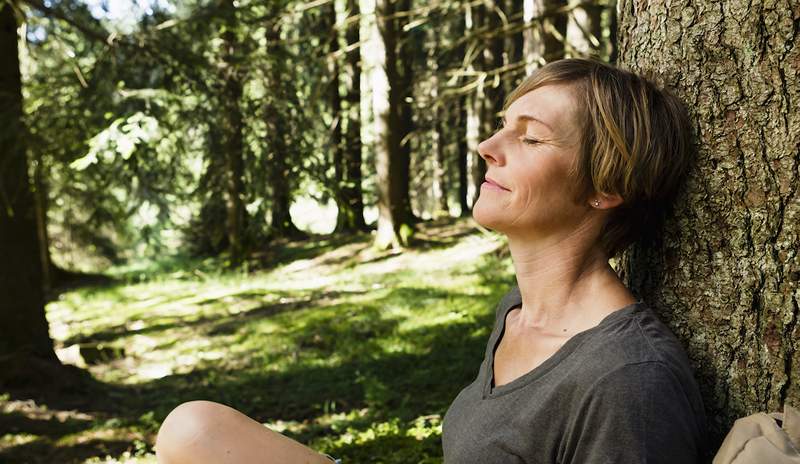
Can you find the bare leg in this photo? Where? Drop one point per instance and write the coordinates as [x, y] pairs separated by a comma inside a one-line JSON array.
[[200, 432]]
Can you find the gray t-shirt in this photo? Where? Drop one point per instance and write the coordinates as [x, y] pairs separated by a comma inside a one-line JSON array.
[[620, 392]]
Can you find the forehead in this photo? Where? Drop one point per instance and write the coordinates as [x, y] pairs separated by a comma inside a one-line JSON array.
[[553, 104]]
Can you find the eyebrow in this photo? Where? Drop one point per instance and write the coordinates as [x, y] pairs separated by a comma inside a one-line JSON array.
[[529, 117]]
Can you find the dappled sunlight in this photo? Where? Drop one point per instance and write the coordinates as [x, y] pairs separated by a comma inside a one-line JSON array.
[[126, 458], [328, 348], [69, 429]]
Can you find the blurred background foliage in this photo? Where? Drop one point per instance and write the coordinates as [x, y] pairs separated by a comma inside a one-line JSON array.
[[159, 127]]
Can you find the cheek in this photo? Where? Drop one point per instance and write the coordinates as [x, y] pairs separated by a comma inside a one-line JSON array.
[[545, 182]]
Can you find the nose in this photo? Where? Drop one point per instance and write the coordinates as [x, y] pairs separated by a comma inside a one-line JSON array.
[[490, 150]]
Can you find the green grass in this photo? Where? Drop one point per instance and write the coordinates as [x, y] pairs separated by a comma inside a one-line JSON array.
[[348, 350]]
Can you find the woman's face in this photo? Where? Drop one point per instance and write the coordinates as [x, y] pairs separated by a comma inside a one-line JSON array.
[[528, 191]]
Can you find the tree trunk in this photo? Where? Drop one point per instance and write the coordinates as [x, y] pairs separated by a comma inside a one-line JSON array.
[[476, 167], [40, 203], [544, 36], [514, 44], [612, 48], [233, 146], [351, 203], [584, 31], [725, 273], [23, 331], [280, 172], [462, 145], [330, 24], [489, 97], [461, 28], [439, 114], [281, 224], [440, 184], [209, 231], [390, 125], [493, 59], [401, 82]]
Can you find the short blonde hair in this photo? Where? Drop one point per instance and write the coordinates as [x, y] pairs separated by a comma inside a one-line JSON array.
[[635, 142]]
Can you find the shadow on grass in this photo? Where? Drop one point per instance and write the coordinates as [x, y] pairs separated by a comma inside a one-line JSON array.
[[183, 266], [283, 251], [441, 233], [220, 324], [17, 422], [46, 451], [351, 357]]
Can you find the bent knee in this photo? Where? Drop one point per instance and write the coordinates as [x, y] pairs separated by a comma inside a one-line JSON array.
[[184, 429]]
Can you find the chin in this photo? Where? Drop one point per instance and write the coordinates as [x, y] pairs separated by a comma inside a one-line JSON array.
[[487, 216]]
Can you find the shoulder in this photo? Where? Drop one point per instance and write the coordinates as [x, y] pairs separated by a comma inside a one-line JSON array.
[[638, 354], [652, 391], [637, 338], [643, 369], [636, 412], [635, 381]]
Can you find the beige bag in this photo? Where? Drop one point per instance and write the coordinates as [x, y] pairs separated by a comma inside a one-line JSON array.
[[759, 439]]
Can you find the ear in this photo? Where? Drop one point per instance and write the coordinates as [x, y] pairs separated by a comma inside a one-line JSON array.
[[605, 200]]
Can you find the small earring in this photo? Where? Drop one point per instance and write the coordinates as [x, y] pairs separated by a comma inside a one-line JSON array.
[[596, 203]]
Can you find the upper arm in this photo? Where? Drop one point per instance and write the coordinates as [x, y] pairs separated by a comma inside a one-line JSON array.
[[637, 413]]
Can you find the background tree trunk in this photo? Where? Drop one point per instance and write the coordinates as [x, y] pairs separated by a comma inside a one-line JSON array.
[[330, 23], [584, 31], [281, 224], [543, 38], [462, 148], [282, 155], [492, 59], [232, 128], [401, 82], [23, 332], [388, 100], [476, 166], [352, 217], [441, 184], [40, 203], [725, 273], [436, 38], [351, 210]]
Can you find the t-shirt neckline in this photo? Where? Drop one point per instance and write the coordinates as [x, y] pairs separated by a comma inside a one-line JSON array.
[[566, 349]]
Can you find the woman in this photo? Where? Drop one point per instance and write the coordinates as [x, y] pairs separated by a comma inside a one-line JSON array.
[[576, 369]]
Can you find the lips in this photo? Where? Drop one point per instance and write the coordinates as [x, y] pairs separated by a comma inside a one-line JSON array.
[[495, 183]]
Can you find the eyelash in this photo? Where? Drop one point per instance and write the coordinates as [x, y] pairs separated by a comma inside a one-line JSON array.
[[526, 141]]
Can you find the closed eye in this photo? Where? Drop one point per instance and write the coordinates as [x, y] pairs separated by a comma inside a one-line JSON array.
[[529, 141]]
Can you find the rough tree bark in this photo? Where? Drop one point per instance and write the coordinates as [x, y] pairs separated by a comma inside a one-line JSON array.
[[725, 271], [24, 338]]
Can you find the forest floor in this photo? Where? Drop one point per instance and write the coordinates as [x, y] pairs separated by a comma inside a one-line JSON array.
[[349, 350]]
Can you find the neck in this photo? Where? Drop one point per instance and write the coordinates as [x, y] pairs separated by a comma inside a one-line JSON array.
[[567, 283]]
